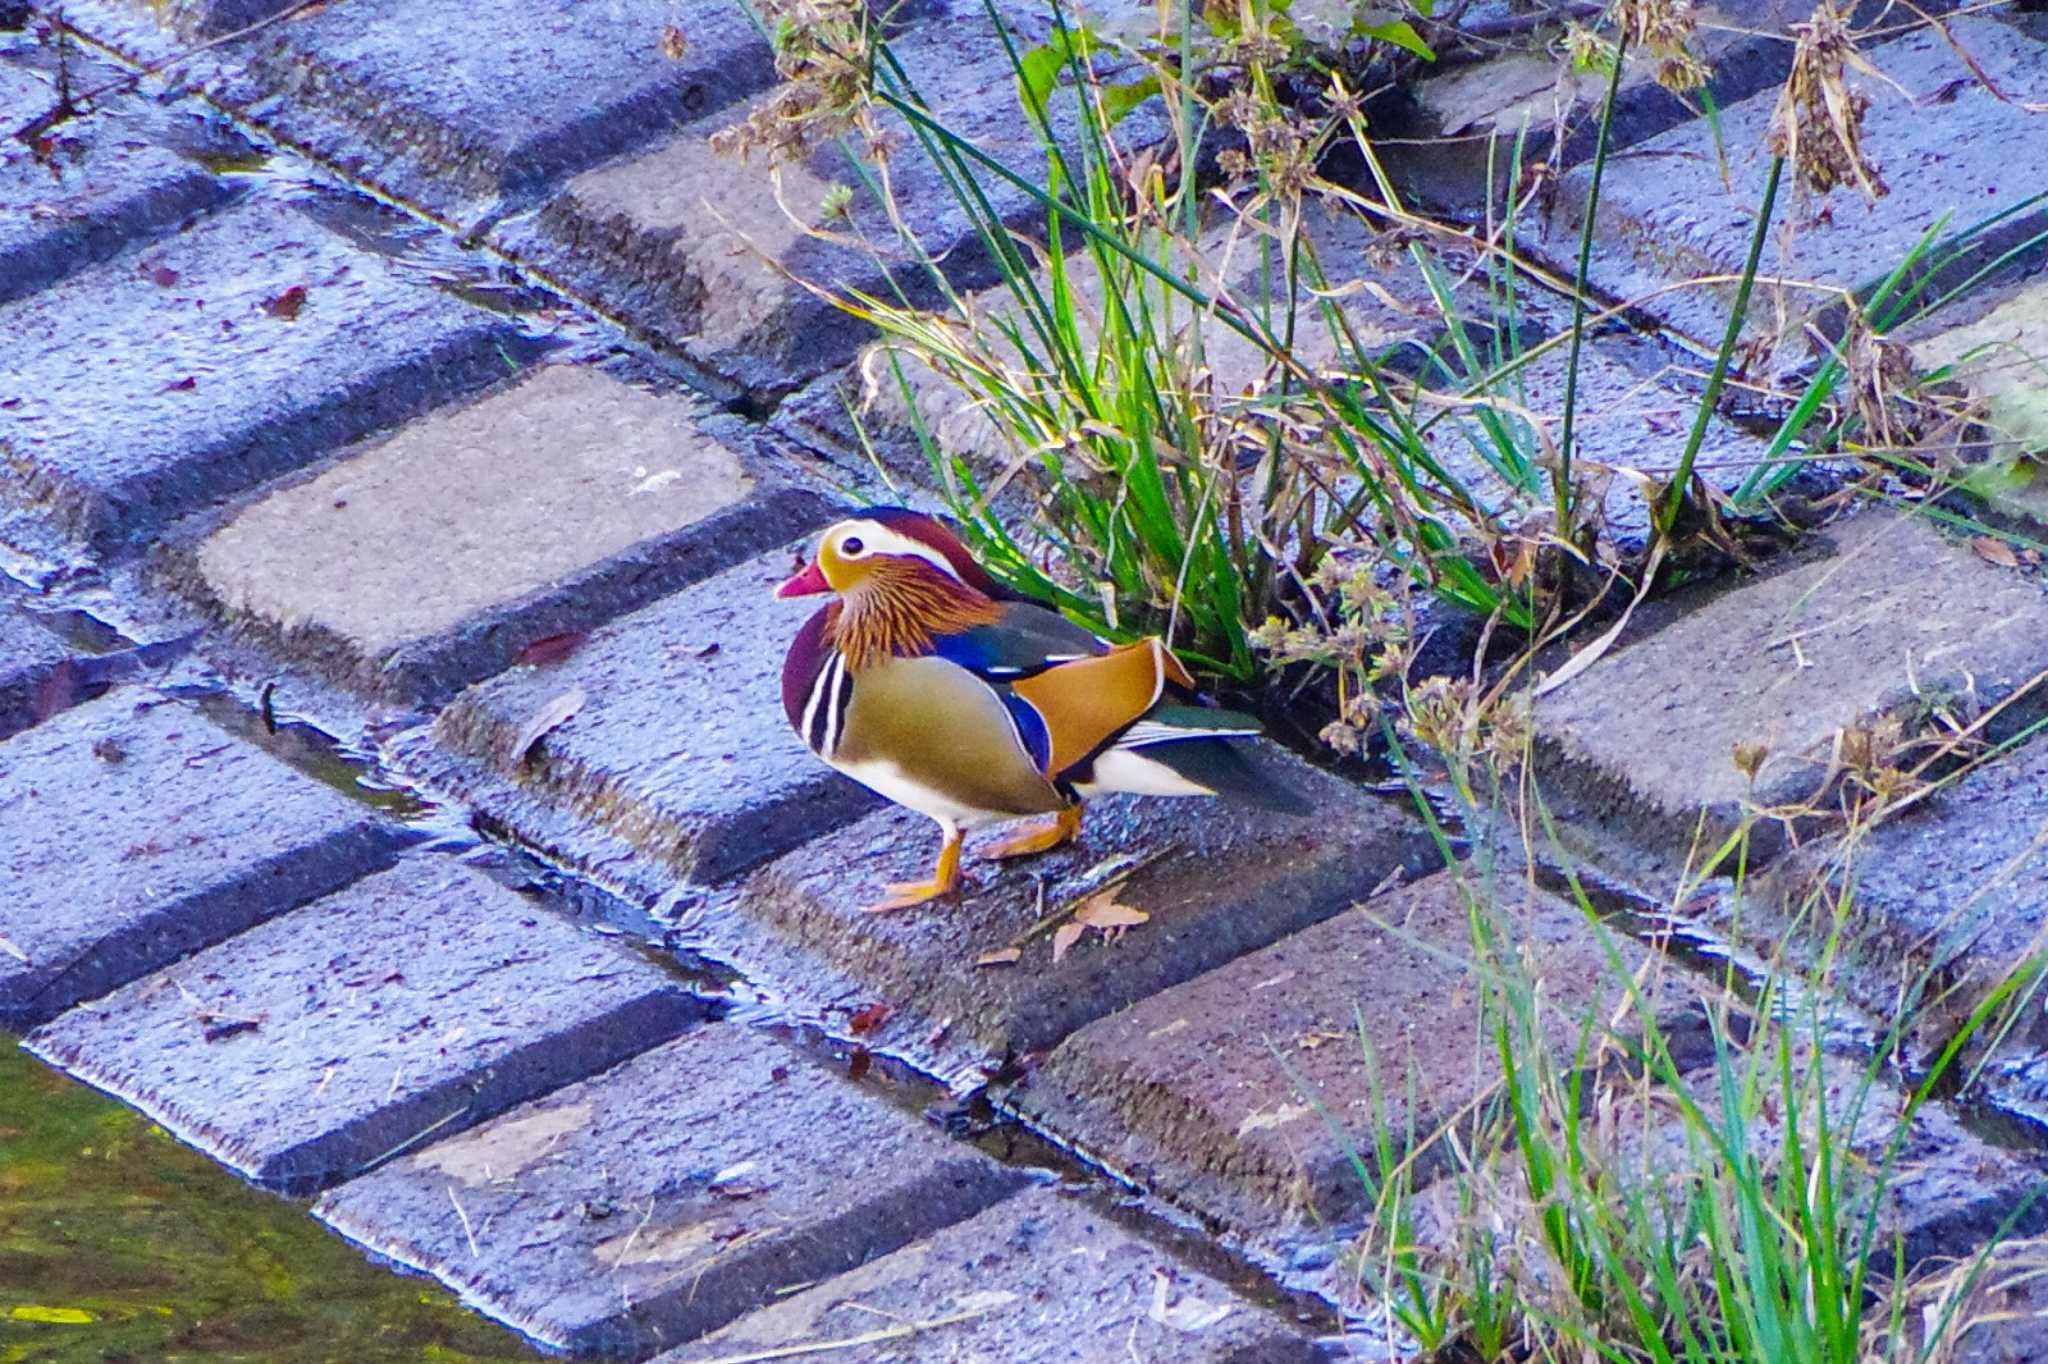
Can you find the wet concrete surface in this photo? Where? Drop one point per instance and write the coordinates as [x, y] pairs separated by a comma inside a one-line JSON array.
[[678, 747], [693, 270], [1256, 1091], [404, 1008], [29, 659], [1216, 881], [232, 352], [1938, 904], [1037, 1278], [176, 834], [452, 108], [435, 557], [1902, 621], [667, 1196], [1667, 213], [85, 187]]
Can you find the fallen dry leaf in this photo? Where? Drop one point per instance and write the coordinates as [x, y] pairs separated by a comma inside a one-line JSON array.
[[551, 648], [1103, 912], [549, 717], [1065, 936], [866, 1019], [858, 1063], [164, 276], [1002, 956], [287, 304], [7, 945], [1993, 550]]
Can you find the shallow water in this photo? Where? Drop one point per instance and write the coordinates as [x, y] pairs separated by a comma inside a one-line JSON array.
[[118, 1243]]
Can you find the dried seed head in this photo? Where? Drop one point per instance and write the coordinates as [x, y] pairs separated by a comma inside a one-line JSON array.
[[1667, 30], [1818, 124]]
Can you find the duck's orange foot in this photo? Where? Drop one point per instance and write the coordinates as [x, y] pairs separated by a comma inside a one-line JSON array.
[[945, 880], [905, 894], [1041, 837]]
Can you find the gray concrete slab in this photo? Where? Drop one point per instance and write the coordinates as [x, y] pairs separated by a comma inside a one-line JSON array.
[[1641, 748], [1947, 147], [666, 1197], [1216, 880], [1040, 1278], [223, 378], [1939, 902], [85, 187], [433, 557], [408, 1006], [690, 245], [679, 746], [448, 106], [132, 832], [1249, 1094], [30, 656]]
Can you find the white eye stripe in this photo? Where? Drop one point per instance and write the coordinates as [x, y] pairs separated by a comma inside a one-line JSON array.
[[876, 538]]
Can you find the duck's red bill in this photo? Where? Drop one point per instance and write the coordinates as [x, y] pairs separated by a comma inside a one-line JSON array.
[[808, 583]]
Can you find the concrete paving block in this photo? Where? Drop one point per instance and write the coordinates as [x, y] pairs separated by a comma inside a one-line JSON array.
[[1217, 881], [1902, 620], [1455, 136], [679, 746], [674, 240], [277, 341], [1945, 898], [431, 558], [1040, 1278], [100, 183], [451, 107], [410, 1005], [1938, 1191], [133, 832], [29, 659], [1248, 1093], [1947, 147], [684, 1188]]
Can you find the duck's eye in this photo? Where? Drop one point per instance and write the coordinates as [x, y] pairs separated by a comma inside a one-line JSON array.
[[851, 547]]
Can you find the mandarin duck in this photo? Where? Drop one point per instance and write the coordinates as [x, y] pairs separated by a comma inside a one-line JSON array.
[[933, 685]]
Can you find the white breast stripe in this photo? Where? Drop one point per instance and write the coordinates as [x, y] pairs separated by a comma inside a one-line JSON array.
[[835, 706], [819, 729]]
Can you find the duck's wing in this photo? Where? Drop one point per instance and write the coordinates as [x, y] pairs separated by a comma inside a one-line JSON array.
[[1027, 640], [1086, 704]]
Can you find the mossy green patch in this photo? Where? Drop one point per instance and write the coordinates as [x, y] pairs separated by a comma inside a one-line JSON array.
[[117, 1242]]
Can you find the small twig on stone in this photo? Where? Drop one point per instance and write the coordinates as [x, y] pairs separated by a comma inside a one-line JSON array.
[[69, 105]]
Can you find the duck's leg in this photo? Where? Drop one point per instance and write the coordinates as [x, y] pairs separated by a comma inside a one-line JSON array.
[[945, 878], [1041, 837]]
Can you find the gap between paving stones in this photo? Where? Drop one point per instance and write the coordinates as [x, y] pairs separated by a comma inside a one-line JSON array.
[[182, 834], [1685, 221], [1903, 621], [667, 1196], [232, 389], [411, 1004], [1250, 1094], [434, 556]]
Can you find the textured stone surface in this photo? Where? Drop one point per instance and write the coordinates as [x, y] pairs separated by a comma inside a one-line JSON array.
[[431, 558], [679, 747], [1946, 146], [206, 386], [449, 105], [1038, 1278], [1217, 881], [132, 832], [674, 240], [29, 659], [1901, 620], [1438, 147], [1246, 1093], [100, 184], [411, 1004], [1990, 352], [1944, 899], [668, 1196]]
